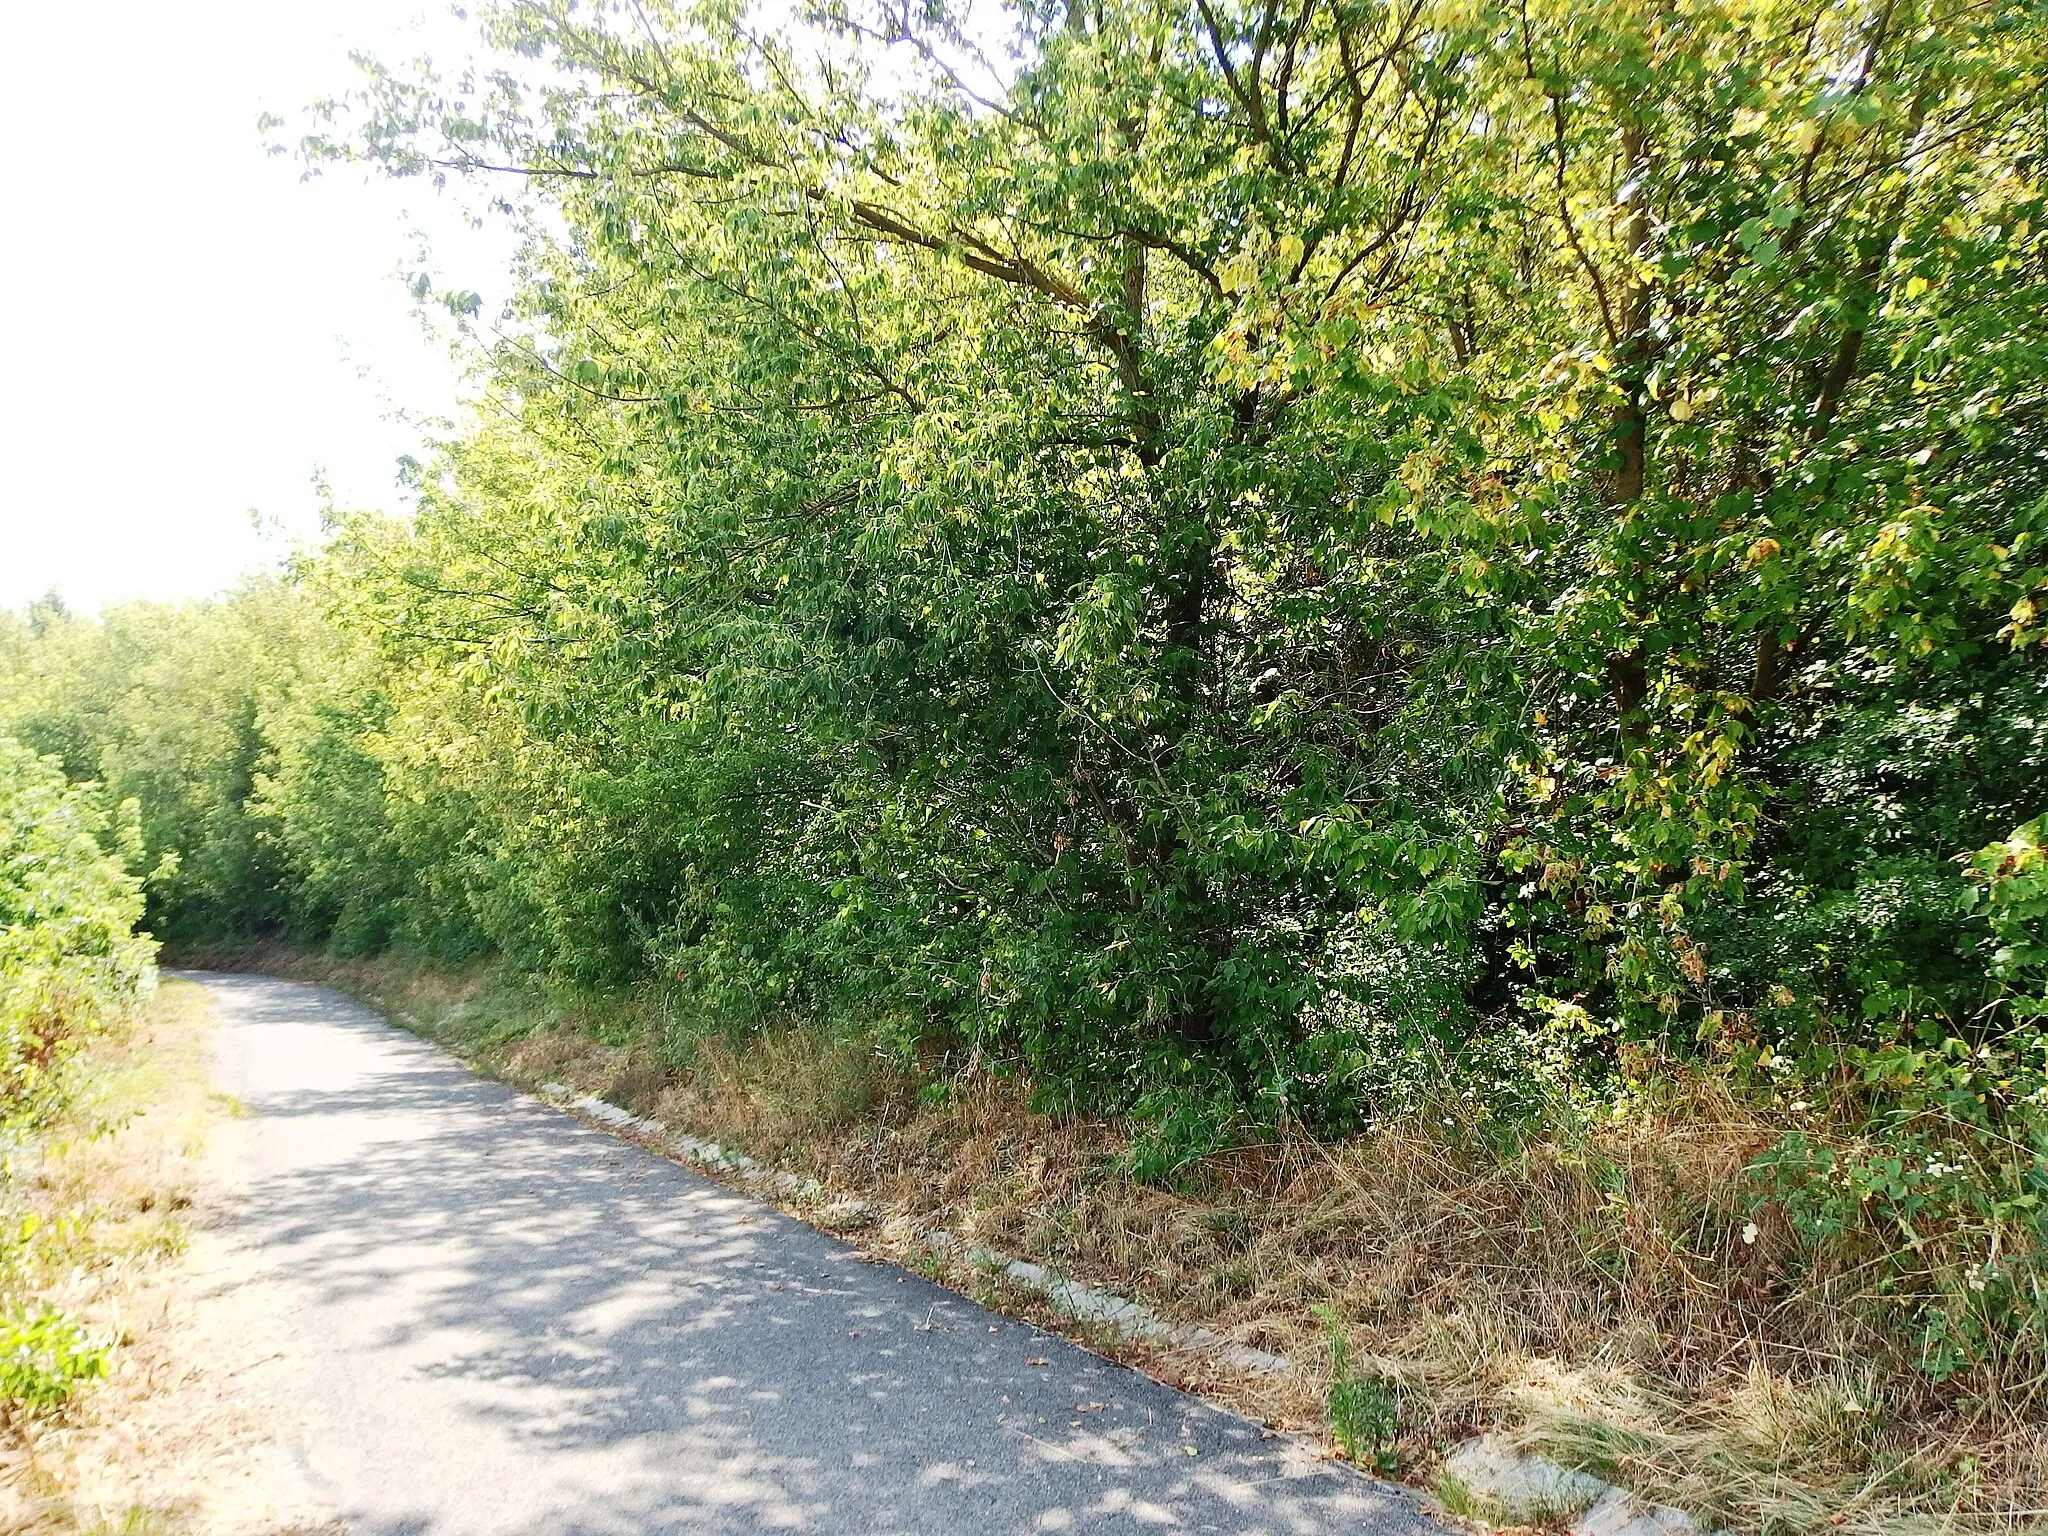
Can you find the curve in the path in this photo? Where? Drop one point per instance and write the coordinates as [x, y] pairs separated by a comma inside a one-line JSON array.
[[513, 1323]]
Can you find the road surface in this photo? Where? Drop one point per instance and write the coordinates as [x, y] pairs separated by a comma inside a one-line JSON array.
[[510, 1322]]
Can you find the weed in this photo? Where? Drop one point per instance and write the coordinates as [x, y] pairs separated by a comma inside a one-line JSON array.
[[46, 1356], [1364, 1407], [1457, 1497], [133, 1521]]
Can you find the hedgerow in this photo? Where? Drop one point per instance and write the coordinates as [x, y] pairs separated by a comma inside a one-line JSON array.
[[1256, 567]]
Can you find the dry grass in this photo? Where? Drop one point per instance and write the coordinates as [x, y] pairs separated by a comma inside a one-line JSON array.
[[131, 1187], [1595, 1288]]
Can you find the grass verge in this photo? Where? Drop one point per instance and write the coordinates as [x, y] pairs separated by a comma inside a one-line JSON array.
[[1594, 1285], [112, 1216]]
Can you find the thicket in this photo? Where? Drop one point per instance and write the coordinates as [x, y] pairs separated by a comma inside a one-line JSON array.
[[70, 959], [71, 963], [1263, 564]]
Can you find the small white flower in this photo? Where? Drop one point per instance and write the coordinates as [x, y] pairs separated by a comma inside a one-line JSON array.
[[1749, 1232]]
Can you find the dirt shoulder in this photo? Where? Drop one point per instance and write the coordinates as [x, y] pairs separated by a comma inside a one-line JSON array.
[[133, 1194]]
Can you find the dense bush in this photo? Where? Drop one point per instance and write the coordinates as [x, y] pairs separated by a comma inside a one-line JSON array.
[[69, 956], [1258, 564]]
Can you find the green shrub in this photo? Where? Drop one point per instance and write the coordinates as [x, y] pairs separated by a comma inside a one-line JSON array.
[[45, 1357], [69, 955], [1364, 1407], [1937, 1195]]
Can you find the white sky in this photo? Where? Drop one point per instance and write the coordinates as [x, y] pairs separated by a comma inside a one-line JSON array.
[[191, 331]]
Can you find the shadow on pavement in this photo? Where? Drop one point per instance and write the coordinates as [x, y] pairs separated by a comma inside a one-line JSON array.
[[520, 1324]]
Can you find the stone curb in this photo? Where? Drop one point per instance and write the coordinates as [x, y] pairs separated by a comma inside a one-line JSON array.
[[1082, 1302], [1510, 1484], [1503, 1482], [1127, 1317]]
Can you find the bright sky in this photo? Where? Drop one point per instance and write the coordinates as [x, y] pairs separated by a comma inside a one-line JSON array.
[[192, 331]]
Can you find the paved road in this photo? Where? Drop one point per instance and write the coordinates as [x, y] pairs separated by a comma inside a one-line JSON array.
[[512, 1322]]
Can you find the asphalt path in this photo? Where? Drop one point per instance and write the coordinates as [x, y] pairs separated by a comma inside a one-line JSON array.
[[509, 1321]]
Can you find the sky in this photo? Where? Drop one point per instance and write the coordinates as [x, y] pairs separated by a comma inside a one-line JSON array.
[[194, 333]]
